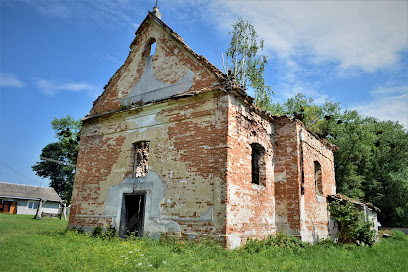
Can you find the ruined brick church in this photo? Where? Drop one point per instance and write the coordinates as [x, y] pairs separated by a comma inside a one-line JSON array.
[[174, 147]]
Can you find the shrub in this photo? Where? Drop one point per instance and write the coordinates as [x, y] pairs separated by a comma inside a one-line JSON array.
[[279, 240], [399, 235], [97, 231], [109, 233], [78, 230], [352, 228], [326, 243]]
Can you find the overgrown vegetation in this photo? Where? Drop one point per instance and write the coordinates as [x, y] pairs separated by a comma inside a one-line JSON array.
[[280, 240], [352, 226], [44, 245]]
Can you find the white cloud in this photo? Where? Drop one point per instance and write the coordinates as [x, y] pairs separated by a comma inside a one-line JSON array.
[[10, 80], [387, 103], [51, 88], [367, 35]]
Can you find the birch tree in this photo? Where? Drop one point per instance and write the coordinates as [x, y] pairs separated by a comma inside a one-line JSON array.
[[245, 62]]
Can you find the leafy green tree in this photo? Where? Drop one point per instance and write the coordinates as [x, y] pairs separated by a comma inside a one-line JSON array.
[[58, 159], [318, 119], [247, 66]]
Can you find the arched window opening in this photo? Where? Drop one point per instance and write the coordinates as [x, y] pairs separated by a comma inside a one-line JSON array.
[[258, 164], [140, 159], [150, 49], [318, 178]]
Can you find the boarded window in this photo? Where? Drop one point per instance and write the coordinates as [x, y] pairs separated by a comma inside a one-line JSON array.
[[258, 164], [318, 178], [141, 159]]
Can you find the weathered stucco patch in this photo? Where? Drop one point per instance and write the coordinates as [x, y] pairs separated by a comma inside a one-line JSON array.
[[148, 88]]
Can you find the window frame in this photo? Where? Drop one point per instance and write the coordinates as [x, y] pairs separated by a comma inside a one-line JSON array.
[[34, 203]]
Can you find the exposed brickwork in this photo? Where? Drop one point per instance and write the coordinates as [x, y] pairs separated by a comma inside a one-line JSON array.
[[315, 219], [170, 64], [250, 207], [141, 159], [287, 175], [203, 148], [96, 157], [187, 151]]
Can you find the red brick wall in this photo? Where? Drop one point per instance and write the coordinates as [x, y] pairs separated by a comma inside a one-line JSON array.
[[315, 220], [96, 157], [250, 207], [187, 150], [187, 138], [304, 215], [287, 176], [170, 64]]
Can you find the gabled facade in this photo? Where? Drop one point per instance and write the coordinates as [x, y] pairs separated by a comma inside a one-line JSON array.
[[174, 147]]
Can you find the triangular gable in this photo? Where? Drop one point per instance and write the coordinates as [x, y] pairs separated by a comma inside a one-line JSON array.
[[174, 69]]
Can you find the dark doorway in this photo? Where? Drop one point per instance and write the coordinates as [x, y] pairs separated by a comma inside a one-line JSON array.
[[132, 220]]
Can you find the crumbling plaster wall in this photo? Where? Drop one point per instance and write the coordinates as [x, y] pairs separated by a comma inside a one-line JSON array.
[[287, 177], [199, 179], [185, 186], [302, 214], [315, 220], [250, 207], [171, 62]]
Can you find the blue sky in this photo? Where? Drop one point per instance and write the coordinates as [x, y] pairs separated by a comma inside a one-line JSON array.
[[56, 57]]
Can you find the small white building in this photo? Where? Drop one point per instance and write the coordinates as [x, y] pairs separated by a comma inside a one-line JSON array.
[[24, 199], [370, 211]]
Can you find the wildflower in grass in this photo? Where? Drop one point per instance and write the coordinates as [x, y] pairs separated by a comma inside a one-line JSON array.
[[130, 251], [139, 264], [150, 265], [164, 262]]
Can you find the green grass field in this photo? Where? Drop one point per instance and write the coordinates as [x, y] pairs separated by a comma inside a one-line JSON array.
[[44, 245]]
